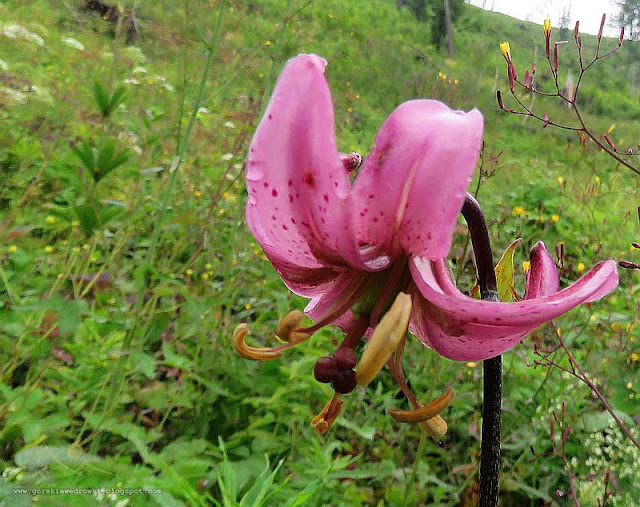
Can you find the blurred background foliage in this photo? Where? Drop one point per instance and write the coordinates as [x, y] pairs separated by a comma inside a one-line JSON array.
[[119, 373]]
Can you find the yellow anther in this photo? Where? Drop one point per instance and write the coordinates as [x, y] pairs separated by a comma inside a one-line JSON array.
[[436, 427], [325, 419], [386, 338], [248, 352], [288, 328], [424, 412]]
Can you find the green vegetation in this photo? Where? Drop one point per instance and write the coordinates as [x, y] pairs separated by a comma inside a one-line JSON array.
[[125, 263]]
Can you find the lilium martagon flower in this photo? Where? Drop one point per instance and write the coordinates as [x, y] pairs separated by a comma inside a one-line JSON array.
[[370, 251]]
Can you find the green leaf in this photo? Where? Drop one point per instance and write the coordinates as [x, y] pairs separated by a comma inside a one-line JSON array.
[[116, 98], [108, 159], [505, 272], [44, 455], [84, 152], [103, 164], [102, 98], [89, 220]]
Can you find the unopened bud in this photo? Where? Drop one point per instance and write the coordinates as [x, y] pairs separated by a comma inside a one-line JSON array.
[[545, 118], [629, 151], [500, 102], [621, 38], [604, 18], [609, 141], [628, 265], [576, 30], [512, 76], [546, 29]]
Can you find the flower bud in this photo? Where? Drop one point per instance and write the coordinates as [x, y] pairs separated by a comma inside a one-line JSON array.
[[604, 18]]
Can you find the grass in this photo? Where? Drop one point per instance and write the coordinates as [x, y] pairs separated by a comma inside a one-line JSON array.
[[116, 310]]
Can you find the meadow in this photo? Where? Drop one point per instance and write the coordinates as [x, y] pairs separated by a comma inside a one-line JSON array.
[[126, 263]]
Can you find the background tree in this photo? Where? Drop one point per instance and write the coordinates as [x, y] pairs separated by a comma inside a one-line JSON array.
[[629, 17], [434, 11]]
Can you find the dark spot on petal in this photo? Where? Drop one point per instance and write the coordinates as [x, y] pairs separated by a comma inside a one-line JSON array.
[[308, 179], [325, 197], [285, 227], [274, 193], [266, 185], [290, 182]]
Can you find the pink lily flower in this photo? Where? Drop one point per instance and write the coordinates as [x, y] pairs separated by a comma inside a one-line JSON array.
[[353, 247]]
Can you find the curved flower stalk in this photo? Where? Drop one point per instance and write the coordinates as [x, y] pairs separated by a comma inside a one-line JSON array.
[[371, 255]]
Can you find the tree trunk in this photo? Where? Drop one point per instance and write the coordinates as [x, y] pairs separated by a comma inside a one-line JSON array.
[[447, 18]]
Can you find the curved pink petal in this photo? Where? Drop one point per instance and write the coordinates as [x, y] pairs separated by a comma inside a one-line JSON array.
[[339, 293], [465, 329], [411, 188], [542, 278], [299, 205]]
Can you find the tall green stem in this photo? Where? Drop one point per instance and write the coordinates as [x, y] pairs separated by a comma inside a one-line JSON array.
[[162, 211]]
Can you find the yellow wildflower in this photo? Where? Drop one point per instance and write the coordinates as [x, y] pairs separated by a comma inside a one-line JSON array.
[[506, 50], [13, 249], [518, 211], [50, 220], [580, 267], [555, 218]]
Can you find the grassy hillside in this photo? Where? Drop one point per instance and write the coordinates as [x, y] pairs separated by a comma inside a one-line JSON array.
[[125, 262]]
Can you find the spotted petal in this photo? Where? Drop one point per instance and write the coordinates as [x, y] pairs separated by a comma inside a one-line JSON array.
[[299, 206], [466, 329], [412, 186]]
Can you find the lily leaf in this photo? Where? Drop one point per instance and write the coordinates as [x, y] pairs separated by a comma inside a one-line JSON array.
[[505, 273]]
